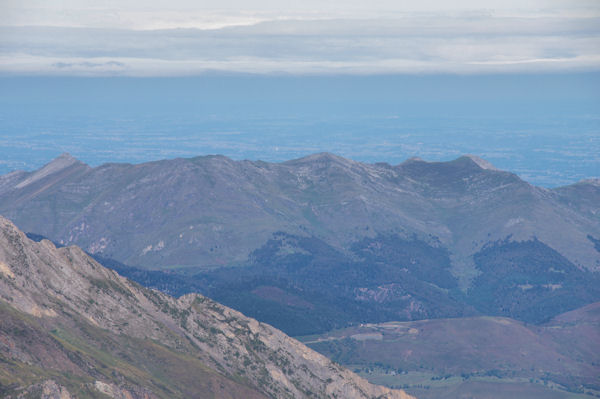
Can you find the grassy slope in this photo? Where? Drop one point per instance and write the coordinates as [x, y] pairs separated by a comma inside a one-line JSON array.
[[469, 356]]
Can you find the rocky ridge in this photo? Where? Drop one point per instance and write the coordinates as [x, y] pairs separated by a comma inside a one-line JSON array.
[[75, 308]]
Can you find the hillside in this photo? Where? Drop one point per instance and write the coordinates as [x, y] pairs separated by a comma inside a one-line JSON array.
[[186, 212], [72, 328], [325, 242], [490, 357]]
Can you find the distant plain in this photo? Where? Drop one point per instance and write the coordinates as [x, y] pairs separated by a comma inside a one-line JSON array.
[[545, 128]]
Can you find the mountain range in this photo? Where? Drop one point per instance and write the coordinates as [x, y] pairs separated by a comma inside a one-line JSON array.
[[449, 279], [325, 242], [71, 328], [212, 211]]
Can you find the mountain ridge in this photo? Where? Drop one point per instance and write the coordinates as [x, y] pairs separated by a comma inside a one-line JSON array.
[[295, 196], [66, 159], [69, 299], [327, 216]]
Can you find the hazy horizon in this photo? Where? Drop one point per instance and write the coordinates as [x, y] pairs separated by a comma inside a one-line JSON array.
[[515, 83], [544, 127]]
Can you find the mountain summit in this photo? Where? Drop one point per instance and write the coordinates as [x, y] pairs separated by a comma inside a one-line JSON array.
[[59, 164], [482, 163], [72, 328]]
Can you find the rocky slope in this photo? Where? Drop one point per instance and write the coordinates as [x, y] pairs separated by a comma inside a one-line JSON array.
[[72, 328]]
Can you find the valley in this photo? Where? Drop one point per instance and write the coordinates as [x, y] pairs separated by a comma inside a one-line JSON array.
[[453, 357]]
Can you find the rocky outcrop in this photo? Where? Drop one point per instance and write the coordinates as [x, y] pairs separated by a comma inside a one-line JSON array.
[[73, 306], [48, 389]]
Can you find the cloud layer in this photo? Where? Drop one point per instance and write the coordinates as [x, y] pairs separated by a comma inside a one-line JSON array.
[[132, 41]]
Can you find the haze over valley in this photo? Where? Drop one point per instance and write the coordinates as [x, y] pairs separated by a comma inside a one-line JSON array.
[[544, 128]]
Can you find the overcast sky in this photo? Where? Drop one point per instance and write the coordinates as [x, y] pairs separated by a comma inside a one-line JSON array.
[[185, 37]]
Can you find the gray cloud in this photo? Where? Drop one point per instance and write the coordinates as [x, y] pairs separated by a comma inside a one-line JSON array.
[[412, 43], [87, 64]]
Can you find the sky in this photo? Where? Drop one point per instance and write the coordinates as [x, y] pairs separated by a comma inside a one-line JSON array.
[[184, 37]]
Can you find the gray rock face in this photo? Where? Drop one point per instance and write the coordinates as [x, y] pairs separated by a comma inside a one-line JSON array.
[[67, 300], [48, 389], [213, 211]]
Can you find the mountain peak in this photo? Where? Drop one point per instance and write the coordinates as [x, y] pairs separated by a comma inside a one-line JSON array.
[[65, 155], [60, 163], [482, 163], [320, 157], [591, 182], [474, 159], [6, 225]]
